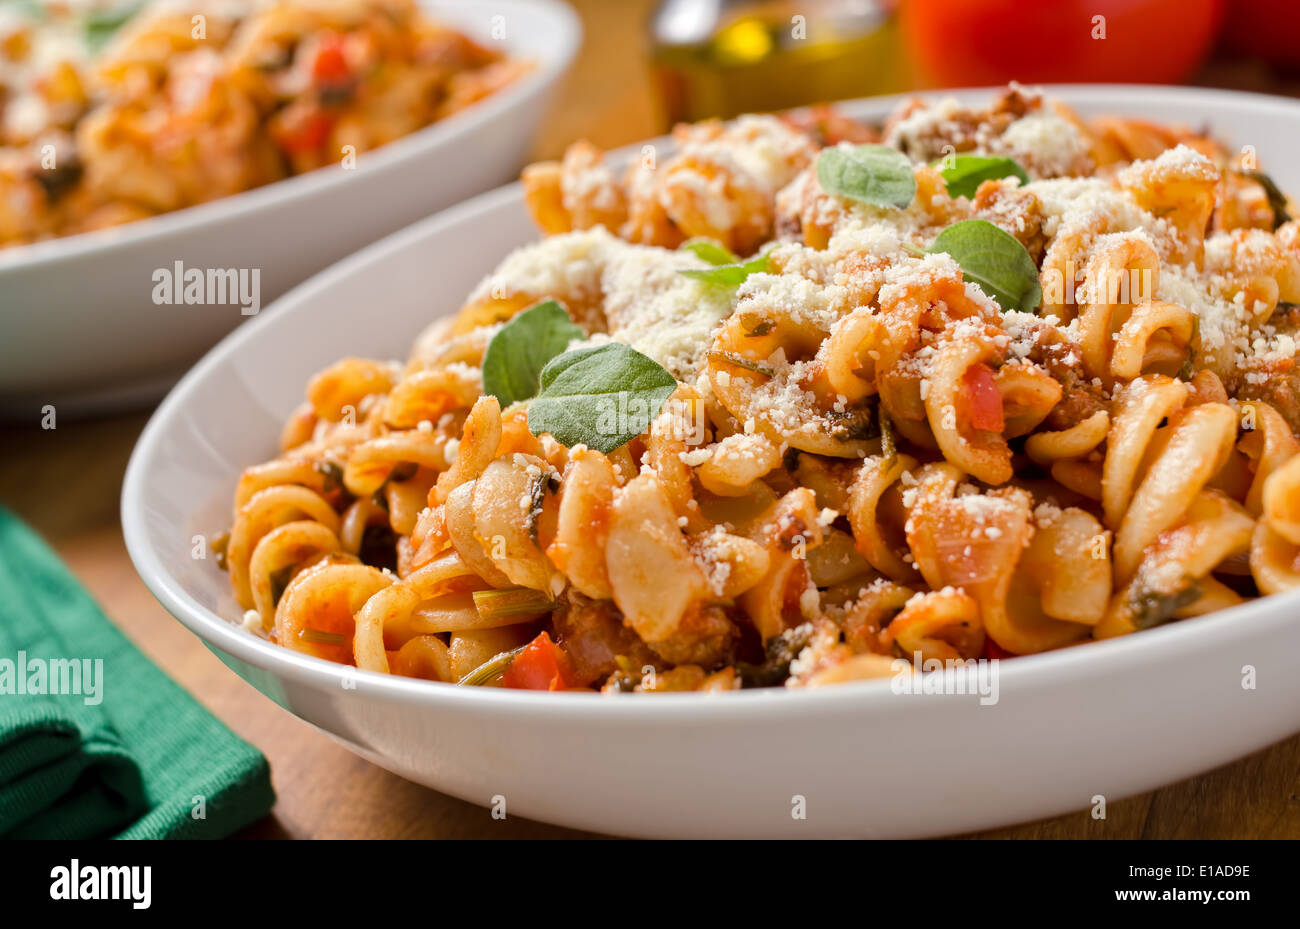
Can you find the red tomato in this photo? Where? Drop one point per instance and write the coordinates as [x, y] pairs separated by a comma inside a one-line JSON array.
[[955, 43], [331, 65], [305, 135], [540, 666], [983, 400]]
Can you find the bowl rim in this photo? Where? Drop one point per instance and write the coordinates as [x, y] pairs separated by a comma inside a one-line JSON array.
[[551, 64], [1059, 668]]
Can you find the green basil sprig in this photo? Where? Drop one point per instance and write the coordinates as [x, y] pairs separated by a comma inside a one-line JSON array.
[[602, 396], [513, 362], [995, 260], [710, 250], [729, 275], [873, 174], [963, 174]]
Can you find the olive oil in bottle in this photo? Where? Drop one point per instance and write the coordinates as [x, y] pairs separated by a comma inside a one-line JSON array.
[[726, 57]]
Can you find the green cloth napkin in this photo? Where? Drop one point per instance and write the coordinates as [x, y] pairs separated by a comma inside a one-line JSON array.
[[131, 755]]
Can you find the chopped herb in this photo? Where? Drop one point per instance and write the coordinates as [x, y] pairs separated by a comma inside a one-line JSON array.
[[491, 669], [888, 444], [332, 473], [537, 488], [740, 361], [623, 682], [513, 601], [775, 668], [850, 425], [319, 637], [1151, 608]]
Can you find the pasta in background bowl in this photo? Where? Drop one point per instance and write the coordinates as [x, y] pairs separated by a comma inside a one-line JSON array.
[[218, 170], [702, 764], [118, 110]]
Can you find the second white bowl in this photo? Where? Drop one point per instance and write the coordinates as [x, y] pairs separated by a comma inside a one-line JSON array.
[[80, 327]]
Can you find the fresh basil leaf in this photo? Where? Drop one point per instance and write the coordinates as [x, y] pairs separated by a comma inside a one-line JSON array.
[[874, 174], [995, 260], [732, 275], [513, 362], [602, 396], [710, 250], [964, 173]]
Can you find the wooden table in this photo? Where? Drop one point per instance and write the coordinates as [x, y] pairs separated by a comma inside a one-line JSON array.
[[66, 484]]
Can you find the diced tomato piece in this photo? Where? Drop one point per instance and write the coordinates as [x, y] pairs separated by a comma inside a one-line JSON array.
[[983, 400], [304, 135], [540, 666], [331, 64], [994, 650]]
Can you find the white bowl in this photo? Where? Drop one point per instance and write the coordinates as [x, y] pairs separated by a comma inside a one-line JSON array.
[[81, 330], [1108, 719]]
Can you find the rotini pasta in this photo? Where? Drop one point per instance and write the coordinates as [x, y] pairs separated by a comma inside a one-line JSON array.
[[188, 102], [860, 448]]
